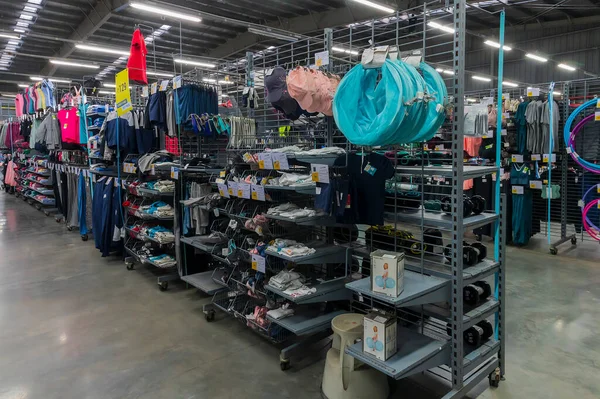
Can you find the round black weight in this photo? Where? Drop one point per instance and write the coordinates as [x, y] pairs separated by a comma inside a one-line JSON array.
[[488, 329], [472, 336], [487, 289], [470, 255], [482, 249], [446, 205], [472, 294], [478, 204], [448, 252], [467, 206]]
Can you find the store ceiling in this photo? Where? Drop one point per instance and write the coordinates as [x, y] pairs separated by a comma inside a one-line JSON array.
[[55, 26]]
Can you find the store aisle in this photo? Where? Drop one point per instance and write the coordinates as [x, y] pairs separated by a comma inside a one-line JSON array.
[[75, 325]]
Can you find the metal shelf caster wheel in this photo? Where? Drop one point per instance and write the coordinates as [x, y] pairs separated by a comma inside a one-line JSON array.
[[479, 237], [46, 213], [84, 237], [209, 316], [495, 378], [574, 241], [129, 266], [58, 219], [163, 286], [70, 228], [285, 365], [553, 251]]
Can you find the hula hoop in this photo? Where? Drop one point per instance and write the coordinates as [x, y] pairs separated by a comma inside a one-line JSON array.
[[593, 233], [584, 216], [569, 135]]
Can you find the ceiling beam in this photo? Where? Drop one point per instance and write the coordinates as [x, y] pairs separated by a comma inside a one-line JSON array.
[[92, 21]]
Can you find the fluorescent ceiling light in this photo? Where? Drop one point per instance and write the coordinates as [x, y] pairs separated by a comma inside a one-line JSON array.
[[556, 93], [440, 27], [29, 9], [481, 78], [195, 63], [536, 57], [14, 42], [19, 30], [224, 95], [35, 1], [510, 84], [26, 17], [37, 79], [9, 36], [164, 12], [439, 70], [271, 48], [23, 24], [471, 100], [74, 64], [106, 92], [166, 75], [10, 48], [376, 5], [23, 85], [98, 49], [448, 72], [226, 82], [209, 80], [111, 85], [343, 50], [563, 66], [268, 32], [8, 95]]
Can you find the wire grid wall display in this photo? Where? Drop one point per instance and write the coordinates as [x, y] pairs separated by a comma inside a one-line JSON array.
[[428, 178]]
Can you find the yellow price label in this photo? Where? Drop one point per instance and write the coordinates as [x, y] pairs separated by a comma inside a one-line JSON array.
[[261, 164], [315, 176], [254, 265], [597, 116], [319, 62], [230, 191], [240, 193], [545, 181], [254, 195], [276, 165], [514, 190], [545, 158], [221, 193], [598, 189], [598, 103], [222, 173], [529, 94]]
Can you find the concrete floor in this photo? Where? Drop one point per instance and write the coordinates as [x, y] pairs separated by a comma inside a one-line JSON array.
[[75, 325]]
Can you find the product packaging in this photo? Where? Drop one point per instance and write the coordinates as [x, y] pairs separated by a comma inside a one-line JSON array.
[[387, 272], [379, 337]]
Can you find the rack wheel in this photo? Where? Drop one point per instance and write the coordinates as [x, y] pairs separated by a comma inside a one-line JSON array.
[[163, 286], [209, 315], [58, 219], [573, 240], [129, 266], [494, 378], [70, 228], [285, 365], [553, 251], [479, 237], [46, 213], [84, 237]]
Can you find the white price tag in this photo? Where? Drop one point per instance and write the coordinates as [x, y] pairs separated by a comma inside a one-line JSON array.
[[164, 85], [145, 91], [177, 82], [489, 135], [280, 161], [440, 147], [596, 119], [517, 190], [536, 157], [265, 160], [517, 158], [533, 91], [537, 184], [174, 173], [319, 173], [259, 263], [243, 190], [549, 158], [232, 188], [503, 132], [322, 58], [580, 203], [223, 192], [154, 88], [258, 192], [129, 167]]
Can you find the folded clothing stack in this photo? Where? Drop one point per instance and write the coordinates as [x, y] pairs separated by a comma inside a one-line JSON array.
[[163, 186], [285, 279], [213, 238], [160, 234], [299, 213], [159, 209], [293, 149], [291, 180], [163, 260], [281, 313], [290, 248], [278, 209]]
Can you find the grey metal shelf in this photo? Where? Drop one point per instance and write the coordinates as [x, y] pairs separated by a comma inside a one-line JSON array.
[[144, 260], [439, 219], [436, 266], [43, 192], [469, 171], [472, 315], [144, 237], [37, 173], [39, 182], [304, 323], [194, 242], [322, 254], [328, 291], [204, 282], [318, 159], [307, 189], [480, 355], [416, 353], [155, 193], [419, 289]]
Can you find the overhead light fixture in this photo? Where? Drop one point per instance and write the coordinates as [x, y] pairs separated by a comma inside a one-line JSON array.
[[111, 85], [74, 64], [271, 48], [497, 45], [10, 36], [226, 82], [481, 78], [207, 80], [23, 24], [26, 17], [563, 66], [376, 5], [448, 72], [30, 9], [224, 95], [195, 63], [343, 50], [510, 84], [270, 33], [556, 93], [440, 27], [164, 74], [23, 85], [8, 95], [14, 42], [536, 57], [38, 78], [471, 100], [106, 92], [164, 12], [19, 30], [440, 70], [98, 49]]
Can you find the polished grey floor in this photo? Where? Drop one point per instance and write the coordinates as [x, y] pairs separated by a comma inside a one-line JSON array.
[[75, 325]]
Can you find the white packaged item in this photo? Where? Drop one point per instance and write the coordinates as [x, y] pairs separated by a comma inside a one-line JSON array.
[[387, 272], [380, 335]]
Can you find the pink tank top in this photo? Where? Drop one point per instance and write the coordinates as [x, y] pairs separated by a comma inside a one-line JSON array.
[[69, 125]]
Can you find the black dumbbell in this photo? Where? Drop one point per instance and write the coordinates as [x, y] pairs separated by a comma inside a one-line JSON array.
[[481, 250], [446, 206], [478, 203], [476, 292], [477, 334], [470, 254], [488, 330]]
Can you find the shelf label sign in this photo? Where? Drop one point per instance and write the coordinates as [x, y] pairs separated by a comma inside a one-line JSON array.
[[243, 190], [319, 173], [177, 82], [145, 91], [517, 190], [174, 173], [258, 192], [597, 117], [259, 263], [164, 85], [536, 157], [122, 94], [154, 88], [322, 58], [517, 158], [280, 161], [232, 188], [129, 167], [265, 160], [223, 191], [533, 91], [549, 158], [537, 184]]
